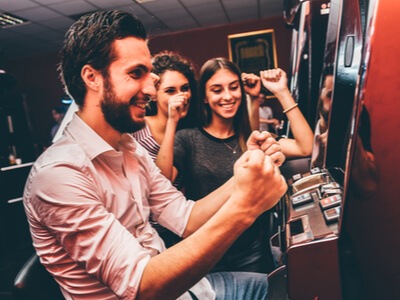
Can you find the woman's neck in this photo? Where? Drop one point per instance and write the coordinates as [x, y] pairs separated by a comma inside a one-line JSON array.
[[221, 129]]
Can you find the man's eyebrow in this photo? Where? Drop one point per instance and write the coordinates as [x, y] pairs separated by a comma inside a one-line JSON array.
[[140, 66]]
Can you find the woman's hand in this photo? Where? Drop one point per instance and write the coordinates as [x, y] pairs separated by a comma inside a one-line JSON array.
[[275, 80], [252, 84], [177, 106]]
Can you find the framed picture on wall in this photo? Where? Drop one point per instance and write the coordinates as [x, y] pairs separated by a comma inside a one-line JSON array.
[[253, 51]]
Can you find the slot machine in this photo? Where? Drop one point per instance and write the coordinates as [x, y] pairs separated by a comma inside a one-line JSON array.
[[15, 128], [308, 20], [15, 239], [17, 151], [370, 224], [312, 208]]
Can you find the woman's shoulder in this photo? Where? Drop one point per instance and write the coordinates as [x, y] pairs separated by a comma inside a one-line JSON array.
[[188, 132], [188, 136]]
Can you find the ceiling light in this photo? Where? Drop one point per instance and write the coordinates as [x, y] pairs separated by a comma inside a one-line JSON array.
[[8, 20], [143, 1]]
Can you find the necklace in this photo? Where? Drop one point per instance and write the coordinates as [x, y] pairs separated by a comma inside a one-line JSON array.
[[229, 147]]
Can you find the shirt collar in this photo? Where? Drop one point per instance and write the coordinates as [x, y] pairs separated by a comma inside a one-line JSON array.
[[93, 144]]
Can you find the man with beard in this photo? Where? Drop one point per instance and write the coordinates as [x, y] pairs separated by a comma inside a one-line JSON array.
[[89, 196]]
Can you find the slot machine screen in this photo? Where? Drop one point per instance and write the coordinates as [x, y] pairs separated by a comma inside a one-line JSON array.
[[337, 87], [309, 22], [326, 88]]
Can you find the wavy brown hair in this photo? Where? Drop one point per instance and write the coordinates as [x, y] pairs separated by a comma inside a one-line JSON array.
[[173, 61]]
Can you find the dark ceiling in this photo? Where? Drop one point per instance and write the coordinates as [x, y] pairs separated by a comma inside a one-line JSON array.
[[48, 20]]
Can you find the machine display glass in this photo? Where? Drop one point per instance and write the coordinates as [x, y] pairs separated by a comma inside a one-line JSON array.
[[327, 80]]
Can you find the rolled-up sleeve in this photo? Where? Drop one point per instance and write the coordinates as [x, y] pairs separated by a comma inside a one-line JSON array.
[[80, 236], [169, 206]]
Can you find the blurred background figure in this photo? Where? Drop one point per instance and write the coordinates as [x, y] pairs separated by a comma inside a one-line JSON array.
[[58, 114], [267, 120], [16, 139]]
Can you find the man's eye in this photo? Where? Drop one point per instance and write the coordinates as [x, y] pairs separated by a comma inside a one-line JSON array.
[[137, 73]]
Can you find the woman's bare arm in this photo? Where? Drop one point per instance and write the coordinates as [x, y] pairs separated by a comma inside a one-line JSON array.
[[276, 81]]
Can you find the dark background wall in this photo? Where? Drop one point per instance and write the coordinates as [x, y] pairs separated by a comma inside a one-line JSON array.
[[202, 44], [39, 82]]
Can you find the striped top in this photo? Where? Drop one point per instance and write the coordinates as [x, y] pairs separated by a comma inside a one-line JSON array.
[[146, 139]]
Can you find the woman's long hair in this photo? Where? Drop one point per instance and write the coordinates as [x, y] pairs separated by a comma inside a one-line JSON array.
[[241, 122]]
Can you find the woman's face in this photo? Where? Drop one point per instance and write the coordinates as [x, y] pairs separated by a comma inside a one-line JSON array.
[[172, 83], [223, 94]]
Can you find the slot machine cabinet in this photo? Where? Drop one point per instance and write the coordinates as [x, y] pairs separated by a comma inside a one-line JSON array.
[[371, 220], [15, 130], [309, 22], [311, 238], [313, 204], [15, 239]]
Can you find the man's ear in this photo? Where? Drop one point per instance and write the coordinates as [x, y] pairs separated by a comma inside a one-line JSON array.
[[91, 77]]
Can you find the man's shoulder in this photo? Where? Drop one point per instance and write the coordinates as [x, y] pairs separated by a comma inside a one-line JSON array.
[[62, 152]]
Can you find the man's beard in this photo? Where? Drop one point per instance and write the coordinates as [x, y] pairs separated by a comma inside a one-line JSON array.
[[117, 113]]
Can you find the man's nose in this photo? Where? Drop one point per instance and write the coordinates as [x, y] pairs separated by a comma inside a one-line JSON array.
[[149, 85]]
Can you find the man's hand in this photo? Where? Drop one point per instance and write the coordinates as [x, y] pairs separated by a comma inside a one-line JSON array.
[[265, 142], [258, 182]]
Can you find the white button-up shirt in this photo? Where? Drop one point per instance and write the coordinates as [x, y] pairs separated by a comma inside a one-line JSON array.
[[88, 208]]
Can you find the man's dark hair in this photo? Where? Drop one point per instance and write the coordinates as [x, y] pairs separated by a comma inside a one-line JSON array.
[[89, 41]]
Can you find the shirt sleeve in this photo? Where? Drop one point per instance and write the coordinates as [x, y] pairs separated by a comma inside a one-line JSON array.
[[67, 203], [169, 207]]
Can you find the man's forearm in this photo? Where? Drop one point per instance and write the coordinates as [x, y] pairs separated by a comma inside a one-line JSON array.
[[256, 187], [206, 207], [174, 271]]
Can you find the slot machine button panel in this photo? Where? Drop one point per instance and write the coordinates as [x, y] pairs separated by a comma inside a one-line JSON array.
[[332, 214], [330, 201]]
